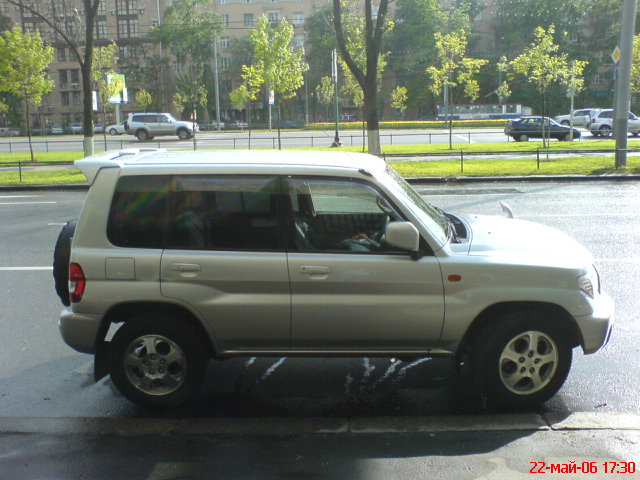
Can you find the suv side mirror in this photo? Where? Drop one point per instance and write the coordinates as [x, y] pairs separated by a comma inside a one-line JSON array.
[[403, 235]]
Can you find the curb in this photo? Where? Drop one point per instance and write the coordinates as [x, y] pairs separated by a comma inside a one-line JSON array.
[[269, 426]]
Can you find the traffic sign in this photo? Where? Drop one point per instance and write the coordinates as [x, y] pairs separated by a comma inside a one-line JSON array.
[[615, 55]]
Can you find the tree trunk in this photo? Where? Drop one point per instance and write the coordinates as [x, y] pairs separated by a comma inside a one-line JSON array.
[[371, 116]]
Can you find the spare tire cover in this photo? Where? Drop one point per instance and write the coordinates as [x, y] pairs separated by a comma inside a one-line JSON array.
[[61, 255]]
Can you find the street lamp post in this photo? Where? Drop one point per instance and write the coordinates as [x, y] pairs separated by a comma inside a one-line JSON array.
[[334, 74]]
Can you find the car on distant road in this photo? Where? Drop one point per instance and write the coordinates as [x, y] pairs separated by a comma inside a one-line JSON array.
[[76, 128], [117, 129], [98, 128], [602, 123], [57, 130], [581, 118], [524, 128], [145, 126]]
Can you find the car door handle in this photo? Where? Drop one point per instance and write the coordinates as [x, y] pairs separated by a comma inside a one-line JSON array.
[[186, 267], [315, 271]]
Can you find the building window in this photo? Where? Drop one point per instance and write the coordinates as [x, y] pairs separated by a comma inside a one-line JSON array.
[[226, 86], [224, 42], [248, 19], [64, 98], [77, 98], [225, 20], [75, 78], [127, 7], [63, 79], [273, 16], [101, 29], [298, 41], [102, 8], [223, 2], [247, 1], [224, 63], [66, 119], [128, 28], [29, 27], [298, 19], [62, 55]]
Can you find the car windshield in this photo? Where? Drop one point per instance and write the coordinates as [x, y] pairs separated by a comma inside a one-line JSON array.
[[433, 218], [170, 117]]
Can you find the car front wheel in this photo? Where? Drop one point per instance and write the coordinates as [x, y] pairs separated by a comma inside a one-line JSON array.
[[523, 138], [521, 361], [157, 361], [113, 131], [605, 130], [142, 135], [183, 134]]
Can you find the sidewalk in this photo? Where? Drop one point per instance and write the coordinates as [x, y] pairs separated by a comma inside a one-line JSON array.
[[497, 447]]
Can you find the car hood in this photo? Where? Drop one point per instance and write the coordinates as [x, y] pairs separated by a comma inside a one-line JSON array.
[[528, 242]]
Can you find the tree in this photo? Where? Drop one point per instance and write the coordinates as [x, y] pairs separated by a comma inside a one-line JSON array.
[[190, 95], [456, 72], [412, 42], [367, 77], [399, 99], [240, 98], [104, 64], [190, 31], [542, 65], [573, 80], [325, 93], [276, 64], [23, 63], [143, 99], [63, 17]]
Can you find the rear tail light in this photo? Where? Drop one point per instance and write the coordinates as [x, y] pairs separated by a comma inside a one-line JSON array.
[[77, 282]]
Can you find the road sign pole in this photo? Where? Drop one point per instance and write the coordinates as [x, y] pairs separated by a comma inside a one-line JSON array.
[[623, 83]]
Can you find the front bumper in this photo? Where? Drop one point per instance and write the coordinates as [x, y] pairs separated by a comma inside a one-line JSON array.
[[596, 328], [79, 331]]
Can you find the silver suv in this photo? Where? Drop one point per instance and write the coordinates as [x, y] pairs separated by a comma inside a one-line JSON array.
[[196, 255], [145, 126], [602, 123], [581, 118]]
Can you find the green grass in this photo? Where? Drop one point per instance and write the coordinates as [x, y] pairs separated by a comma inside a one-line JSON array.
[[39, 157], [516, 167], [521, 165], [42, 177]]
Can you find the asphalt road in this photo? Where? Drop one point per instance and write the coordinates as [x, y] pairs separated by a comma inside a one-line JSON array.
[[42, 377], [302, 419], [262, 139]]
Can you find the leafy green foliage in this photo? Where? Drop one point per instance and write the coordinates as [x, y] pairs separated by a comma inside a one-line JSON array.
[[276, 63]]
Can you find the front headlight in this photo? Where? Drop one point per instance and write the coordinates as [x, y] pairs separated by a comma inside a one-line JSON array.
[[590, 282], [585, 284]]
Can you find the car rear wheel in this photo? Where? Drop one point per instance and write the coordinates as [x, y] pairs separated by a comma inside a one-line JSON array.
[[142, 135], [113, 131], [567, 138], [157, 361], [61, 255], [521, 361], [183, 134], [605, 130], [523, 138]]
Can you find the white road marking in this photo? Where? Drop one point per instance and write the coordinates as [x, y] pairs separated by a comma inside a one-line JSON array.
[[25, 269], [26, 203]]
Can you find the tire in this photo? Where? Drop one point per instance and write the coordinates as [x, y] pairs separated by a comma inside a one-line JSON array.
[[113, 131], [142, 135], [523, 138], [605, 131], [157, 361], [565, 122], [566, 138], [183, 134], [61, 255], [506, 354]]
